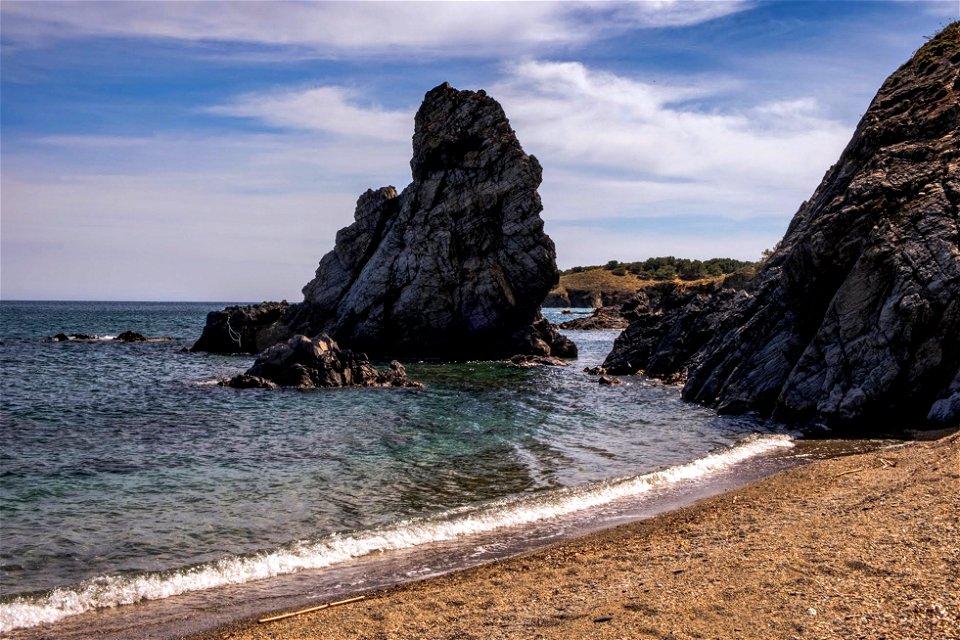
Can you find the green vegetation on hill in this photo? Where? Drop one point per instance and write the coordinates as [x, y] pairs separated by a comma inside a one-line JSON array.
[[668, 268], [617, 282]]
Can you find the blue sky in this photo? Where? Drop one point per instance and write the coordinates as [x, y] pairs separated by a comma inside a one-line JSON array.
[[210, 151]]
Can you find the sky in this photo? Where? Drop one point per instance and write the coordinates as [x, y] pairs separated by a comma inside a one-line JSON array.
[[210, 151]]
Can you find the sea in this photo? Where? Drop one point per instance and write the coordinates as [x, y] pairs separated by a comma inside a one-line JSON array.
[[138, 498]]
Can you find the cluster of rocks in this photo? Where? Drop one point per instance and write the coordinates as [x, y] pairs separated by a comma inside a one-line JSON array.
[[126, 336], [854, 321], [63, 337], [667, 324], [305, 363]]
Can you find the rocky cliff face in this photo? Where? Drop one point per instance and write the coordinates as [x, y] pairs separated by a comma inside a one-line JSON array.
[[855, 319], [455, 266]]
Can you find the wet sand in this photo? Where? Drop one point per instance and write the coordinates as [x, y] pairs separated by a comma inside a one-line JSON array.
[[863, 546]]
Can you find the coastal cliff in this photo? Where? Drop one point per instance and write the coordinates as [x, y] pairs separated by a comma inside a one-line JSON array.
[[854, 320], [454, 267]]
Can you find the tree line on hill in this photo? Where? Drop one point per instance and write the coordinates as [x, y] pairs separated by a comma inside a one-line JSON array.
[[670, 268]]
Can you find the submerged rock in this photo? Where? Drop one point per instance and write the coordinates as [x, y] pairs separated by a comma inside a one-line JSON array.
[[454, 267], [854, 320], [307, 363]]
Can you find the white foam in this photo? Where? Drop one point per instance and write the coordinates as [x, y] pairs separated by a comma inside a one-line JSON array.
[[111, 591]]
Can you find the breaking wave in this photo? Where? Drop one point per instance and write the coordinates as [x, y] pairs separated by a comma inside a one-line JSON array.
[[112, 591]]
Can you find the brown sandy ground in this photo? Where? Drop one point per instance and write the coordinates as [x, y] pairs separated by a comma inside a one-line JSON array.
[[865, 546]]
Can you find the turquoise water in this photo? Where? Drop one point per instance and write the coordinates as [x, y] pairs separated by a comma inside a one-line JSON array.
[[126, 474]]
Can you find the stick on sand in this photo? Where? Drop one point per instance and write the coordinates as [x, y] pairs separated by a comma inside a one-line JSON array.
[[308, 610]]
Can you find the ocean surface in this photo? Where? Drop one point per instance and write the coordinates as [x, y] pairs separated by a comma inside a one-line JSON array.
[[127, 475]]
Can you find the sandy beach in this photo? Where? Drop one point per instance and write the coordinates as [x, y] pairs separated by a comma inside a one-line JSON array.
[[863, 546]]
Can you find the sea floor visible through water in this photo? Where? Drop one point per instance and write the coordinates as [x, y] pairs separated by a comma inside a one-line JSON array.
[[130, 478]]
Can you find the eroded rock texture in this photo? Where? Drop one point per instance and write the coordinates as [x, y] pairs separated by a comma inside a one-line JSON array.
[[855, 319], [454, 267]]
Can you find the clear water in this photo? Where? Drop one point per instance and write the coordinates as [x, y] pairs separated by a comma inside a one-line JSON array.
[[126, 475]]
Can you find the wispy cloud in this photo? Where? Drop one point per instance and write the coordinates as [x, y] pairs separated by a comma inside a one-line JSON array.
[[331, 109], [332, 28]]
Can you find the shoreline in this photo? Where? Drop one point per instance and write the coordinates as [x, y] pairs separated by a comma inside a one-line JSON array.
[[859, 545]]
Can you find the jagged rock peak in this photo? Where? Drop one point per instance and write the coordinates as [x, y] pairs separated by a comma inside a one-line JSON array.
[[465, 130], [855, 319]]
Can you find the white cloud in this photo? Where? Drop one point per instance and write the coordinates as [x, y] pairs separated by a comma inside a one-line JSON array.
[[331, 109], [614, 146], [331, 28]]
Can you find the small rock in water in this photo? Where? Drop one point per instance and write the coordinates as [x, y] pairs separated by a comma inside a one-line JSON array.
[[62, 337], [131, 336], [243, 381], [609, 380]]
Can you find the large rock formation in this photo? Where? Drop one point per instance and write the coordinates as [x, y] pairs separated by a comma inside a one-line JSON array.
[[855, 319], [454, 267]]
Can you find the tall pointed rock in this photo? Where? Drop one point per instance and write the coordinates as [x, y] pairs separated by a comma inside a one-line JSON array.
[[457, 265]]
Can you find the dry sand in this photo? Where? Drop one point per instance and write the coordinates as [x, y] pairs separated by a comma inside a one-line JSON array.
[[865, 546]]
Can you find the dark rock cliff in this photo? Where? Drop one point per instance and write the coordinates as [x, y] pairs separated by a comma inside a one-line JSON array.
[[854, 320], [454, 267]]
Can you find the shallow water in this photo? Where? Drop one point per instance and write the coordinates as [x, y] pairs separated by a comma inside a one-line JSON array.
[[126, 475]]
